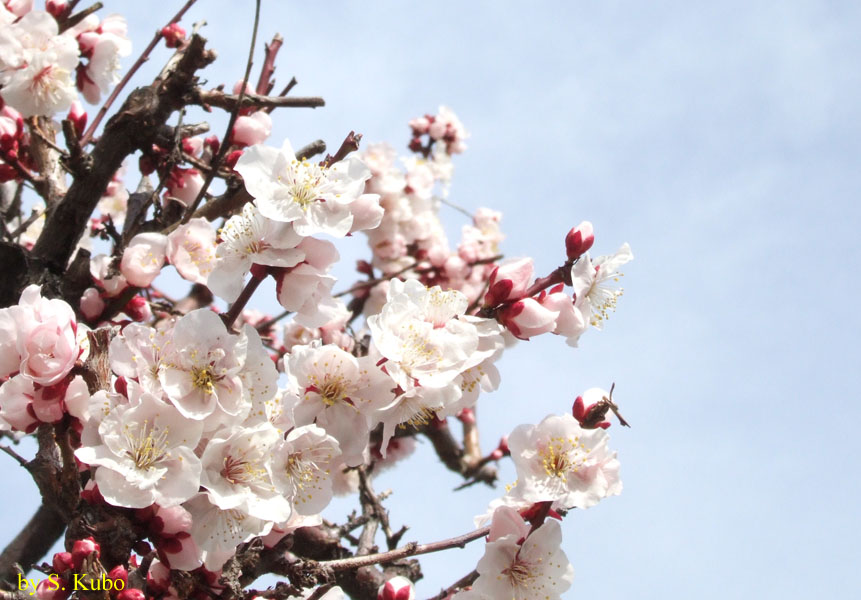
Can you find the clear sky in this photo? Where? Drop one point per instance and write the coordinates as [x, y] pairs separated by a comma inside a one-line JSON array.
[[722, 141]]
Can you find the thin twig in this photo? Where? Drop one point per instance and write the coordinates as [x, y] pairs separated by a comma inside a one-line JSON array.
[[219, 99], [222, 151], [21, 460], [411, 549], [88, 135]]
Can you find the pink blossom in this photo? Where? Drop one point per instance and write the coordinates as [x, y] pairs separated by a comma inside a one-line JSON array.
[[46, 337], [143, 258], [191, 249]]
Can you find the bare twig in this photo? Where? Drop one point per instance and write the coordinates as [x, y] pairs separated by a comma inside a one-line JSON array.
[[222, 150], [350, 144], [272, 48], [219, 99], [411, 549]]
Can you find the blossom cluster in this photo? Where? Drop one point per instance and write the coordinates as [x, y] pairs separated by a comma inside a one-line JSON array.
[[214, 429]]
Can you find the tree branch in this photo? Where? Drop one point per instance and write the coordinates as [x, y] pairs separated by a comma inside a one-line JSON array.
[[32, 543]]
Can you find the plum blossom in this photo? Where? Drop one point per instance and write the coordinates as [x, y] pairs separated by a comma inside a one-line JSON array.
[[145, 454], [36, 65], [535, 568], [419, 333], [306, 289], [338, 392], [557, 460], [592, 284], [217, 532], [315, 198], [199, 370], [103, 44], [250, 238], [302, 468], [237, 472], [143, 258], [191, 250], [38, 337]]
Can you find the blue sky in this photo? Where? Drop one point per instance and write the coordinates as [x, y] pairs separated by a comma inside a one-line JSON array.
[[722, 141]]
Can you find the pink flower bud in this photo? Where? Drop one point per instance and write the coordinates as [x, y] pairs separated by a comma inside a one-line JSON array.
[[52, 588], [420, 125], [397, 588], [131, 594], [252, 129], [138, 309], [579, 240], [466, 416], [119, 573], [62, 562], [173, 35], [437, 130], [19, 8], [503, 446], [92, 304], [78, 117], [56, 8], [82, 549], [509, 281], [232, 157], [527, 318]]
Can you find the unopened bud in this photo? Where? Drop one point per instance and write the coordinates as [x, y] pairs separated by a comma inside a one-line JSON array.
[[579, 240], [232, 157], [56, 8], [52, 588], [78, 117], [131, 594], [82, 549], [62, 562], [173, 35], [509, 281], [397, 588]]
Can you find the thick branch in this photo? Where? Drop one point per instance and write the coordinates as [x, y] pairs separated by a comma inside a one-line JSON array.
[[32, 543]]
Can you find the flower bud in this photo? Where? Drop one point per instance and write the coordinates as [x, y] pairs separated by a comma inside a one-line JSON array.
[[527, 318], [52, 588], [252, 129], [173, 35], [138, 309], [78, 117], [62, 562], [509, 281], [82, 549], [397, 588], [92, 304], [131, 594], [119, 573], [579, 240], [56, 8]]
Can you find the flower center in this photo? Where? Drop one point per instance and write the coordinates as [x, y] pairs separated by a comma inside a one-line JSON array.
[[202, 379], [562, 456], [145, 446], [239, 470], [519, 574]]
